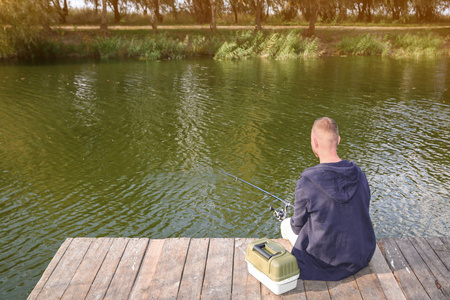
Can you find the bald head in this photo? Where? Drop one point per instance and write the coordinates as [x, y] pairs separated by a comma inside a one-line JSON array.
[[326, 130], [324, 139]]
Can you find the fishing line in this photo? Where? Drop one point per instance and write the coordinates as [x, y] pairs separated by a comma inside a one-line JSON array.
[[279, 214]]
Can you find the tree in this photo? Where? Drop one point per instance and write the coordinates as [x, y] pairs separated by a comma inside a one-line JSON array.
[[154, 9], [258, 13], [310, 9], [426, 10], [28, 21], [286, 9], [201, 9], [364, 8], [104, 21], [313, 8], [61, 9], [96, 4], [115, 7], [396, 7], [234, 5], [213, 15], [327, 10], [25, 18]]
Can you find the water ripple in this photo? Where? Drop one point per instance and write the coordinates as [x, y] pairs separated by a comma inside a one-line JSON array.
[[132, 149]]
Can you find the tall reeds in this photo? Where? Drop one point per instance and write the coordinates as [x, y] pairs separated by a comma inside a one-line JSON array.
[[229, 45], [419, 45], [401, 45], [274, 45]]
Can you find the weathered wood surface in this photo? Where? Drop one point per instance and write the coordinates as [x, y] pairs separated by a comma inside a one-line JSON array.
[[184, 268]]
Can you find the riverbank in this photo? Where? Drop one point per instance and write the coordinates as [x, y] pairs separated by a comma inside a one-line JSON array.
[[230, 42]]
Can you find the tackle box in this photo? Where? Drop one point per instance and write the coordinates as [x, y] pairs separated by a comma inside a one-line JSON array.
[[272, 265]]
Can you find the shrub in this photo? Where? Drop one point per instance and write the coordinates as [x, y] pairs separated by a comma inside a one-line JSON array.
[[363, 45], [417, 45], [274, 45]]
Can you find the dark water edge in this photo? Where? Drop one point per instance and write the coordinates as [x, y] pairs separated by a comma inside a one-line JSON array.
[[129, 148]]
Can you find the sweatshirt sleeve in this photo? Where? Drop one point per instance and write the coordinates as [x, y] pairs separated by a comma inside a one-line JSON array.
[[300, 216]]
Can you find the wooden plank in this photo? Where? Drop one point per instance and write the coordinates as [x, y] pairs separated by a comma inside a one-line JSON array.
[[299, 291], [446, 240], [123, 280], [402, 271], [317, 290], [441, 249], [141, 289], [435, 265], [219, 269], [245, 286], [107, 270], [50, 268], [344, 289], [368, 284], [64, 271], [390, 286], [194, 270], [419, 267], [166, 282], [84, 276]]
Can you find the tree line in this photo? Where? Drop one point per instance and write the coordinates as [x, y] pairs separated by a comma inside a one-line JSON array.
[[207, 11]]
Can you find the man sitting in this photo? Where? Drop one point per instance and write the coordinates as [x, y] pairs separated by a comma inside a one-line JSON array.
[[330, 230]]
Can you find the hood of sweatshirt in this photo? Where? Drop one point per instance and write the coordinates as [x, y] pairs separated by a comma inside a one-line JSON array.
[[338, 181]]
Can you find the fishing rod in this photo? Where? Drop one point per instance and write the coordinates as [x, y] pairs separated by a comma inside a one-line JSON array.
[[280, 214]]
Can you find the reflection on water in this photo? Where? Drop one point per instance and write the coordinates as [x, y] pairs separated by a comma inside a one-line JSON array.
[[132, 148]]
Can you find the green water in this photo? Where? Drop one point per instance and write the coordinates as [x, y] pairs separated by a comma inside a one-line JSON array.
[[132, 149]]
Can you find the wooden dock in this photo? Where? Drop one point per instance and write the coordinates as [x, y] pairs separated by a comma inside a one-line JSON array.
[[183, 268]]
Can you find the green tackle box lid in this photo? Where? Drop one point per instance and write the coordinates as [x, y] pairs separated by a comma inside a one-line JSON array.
[[272, 259]]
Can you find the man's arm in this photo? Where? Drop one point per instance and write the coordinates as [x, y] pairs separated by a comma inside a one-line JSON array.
[[300, 216]]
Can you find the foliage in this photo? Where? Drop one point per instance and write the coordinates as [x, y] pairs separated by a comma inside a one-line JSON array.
[[275, 45], [223, 45], [418, 45], [402, 45], [363, 45], [26, 21]]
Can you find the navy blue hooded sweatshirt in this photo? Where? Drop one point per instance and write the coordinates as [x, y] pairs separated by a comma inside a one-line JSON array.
[[331, 217]]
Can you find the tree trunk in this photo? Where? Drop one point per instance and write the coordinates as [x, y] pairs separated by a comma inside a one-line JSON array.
[[258, 14], [158, 14], [313, 18], [174, 10], [65, 11], [104, 22], [115, 4], [369, 11], [154, 16], [213, 16]]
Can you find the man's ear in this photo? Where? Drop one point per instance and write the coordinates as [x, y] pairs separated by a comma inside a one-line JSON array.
[[339, 139], [316, 143]]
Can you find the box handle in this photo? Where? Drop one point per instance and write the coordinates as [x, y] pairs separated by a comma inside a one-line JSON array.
[[259, 249]]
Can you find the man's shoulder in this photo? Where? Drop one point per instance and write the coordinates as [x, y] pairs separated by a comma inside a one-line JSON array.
[[310, 170]]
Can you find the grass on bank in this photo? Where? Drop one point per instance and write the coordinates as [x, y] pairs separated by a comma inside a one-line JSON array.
[[401, 45], [223, 45]]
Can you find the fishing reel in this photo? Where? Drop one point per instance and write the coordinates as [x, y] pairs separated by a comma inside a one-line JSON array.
[[280, 214]]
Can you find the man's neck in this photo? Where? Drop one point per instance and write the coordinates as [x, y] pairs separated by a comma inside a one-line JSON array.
[[329, 159]]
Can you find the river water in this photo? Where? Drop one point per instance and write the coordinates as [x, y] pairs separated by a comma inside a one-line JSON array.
[[134, 149]]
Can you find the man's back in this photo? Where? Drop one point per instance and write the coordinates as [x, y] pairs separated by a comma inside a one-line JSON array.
[[336, 237]]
